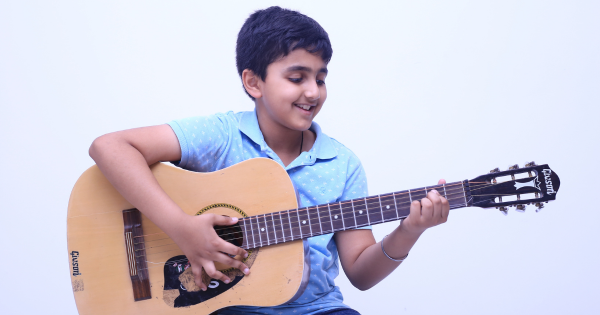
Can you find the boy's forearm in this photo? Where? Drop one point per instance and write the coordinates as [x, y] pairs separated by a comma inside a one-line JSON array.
[[372, 265], [127, 170]]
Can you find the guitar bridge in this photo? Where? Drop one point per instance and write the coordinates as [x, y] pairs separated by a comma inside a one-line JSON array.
[[136, 254]]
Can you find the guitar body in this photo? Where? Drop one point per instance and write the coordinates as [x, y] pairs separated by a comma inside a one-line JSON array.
[[102, 274]]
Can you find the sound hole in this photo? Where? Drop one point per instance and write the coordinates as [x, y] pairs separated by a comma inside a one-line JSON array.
[[231, 233]]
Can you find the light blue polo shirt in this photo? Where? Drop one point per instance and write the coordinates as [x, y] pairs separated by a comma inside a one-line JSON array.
[[329, 172]]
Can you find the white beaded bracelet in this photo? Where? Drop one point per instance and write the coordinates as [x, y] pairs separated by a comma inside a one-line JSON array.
[[388, 256]]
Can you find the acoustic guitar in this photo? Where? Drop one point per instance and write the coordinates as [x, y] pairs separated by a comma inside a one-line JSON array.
[[122, 263]]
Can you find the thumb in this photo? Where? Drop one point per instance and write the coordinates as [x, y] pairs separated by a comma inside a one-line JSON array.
[[223, 220]]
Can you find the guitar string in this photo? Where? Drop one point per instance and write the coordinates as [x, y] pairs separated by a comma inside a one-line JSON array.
[[283, 238], [161, 264], [390, 195], [294, 222], [262, 244], [375, 199], [345, 204], [306, 212]]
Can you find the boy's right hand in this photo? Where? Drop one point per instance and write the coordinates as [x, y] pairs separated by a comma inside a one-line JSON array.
[[196, 237]]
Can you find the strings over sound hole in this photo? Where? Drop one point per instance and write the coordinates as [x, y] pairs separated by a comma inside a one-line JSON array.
[[231, 233]]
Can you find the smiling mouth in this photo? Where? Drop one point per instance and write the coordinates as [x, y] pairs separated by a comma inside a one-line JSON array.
[[304, 107]]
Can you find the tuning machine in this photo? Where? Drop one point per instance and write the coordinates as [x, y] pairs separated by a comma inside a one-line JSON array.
[[520, 208], [539, 206], [530, 164], [496, 170], [504, 210], [514, 167]]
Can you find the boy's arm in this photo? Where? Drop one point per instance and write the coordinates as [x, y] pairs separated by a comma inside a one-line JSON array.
[[124, 158], [364, 262]]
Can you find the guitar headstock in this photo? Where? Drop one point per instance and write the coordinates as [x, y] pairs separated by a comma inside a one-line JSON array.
[[516, 187]]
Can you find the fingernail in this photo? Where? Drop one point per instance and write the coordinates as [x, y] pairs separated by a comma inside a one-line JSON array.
[[234, 219], [226, 281], [203, 289], [246, 255], [246, 270]]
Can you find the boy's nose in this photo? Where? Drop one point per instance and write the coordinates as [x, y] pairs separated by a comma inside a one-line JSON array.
[[312, 92]]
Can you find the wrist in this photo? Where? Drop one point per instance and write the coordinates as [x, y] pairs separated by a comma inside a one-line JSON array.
[[408, 230]]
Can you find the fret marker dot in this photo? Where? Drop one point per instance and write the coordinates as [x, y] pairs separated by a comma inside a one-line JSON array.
[[360, 211], [387, 207], [304, 222], [263, 229], [335, 217]]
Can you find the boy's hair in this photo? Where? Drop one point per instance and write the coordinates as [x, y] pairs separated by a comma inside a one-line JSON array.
[[272, 33]]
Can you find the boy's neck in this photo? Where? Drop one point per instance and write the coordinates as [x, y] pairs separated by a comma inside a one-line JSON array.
[[285, 142]]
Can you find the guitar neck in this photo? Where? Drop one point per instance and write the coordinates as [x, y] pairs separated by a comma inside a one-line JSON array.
[[295, 224]]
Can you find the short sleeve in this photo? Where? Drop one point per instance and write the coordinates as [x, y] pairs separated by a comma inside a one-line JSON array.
[[203, 140], [356, 181]]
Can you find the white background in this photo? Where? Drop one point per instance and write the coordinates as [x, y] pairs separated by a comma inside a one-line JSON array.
[[419, 90]]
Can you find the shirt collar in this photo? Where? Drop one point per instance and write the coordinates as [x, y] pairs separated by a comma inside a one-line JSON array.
[[323, 147]]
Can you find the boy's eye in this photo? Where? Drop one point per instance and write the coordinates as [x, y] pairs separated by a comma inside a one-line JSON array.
[[320, 82], [296, 80]]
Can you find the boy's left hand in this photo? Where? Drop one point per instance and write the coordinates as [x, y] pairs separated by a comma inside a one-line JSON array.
[[427, 212]]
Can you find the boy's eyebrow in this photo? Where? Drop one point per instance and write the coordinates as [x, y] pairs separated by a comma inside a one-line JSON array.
[[306, 69]]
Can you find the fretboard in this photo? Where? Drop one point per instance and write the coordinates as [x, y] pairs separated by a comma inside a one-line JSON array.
[[295, 224]]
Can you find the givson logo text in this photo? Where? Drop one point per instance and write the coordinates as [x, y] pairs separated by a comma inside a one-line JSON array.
[[548, 181]]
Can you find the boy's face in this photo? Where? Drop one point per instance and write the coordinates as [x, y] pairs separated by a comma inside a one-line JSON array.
[[293, 92]]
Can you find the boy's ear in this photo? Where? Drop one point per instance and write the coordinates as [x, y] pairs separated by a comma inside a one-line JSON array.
[[251, 83]]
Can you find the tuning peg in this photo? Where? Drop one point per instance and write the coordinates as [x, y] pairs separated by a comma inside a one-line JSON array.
[[496, 170], [514, 167], [539, 206], [521, 208], [504, 210], [530, 164]]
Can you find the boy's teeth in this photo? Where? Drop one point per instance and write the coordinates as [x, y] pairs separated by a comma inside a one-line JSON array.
[[305, 107]]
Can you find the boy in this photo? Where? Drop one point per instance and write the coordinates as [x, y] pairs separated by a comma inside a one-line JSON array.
[[282, 59]]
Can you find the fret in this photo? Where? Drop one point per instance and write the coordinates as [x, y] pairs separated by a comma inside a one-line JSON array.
[[282, 230], [337, 219], [380, 207], [418, 194], [330, 218], [264, 240], [395, 205], [299, 224], [388, 207], [305, 223], [294, 228], [445, 194], [403, 203], [270, 227], [367, 210], [462, 185], [246, 241], [348, 215], [360, 213], [372, 206], [314, 221], [251, 231], [286, 225], [256, 231]]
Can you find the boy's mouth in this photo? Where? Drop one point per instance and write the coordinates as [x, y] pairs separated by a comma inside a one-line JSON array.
[[304, 107]]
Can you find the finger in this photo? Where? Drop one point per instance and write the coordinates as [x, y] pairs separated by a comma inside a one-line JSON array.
[[445, 209], [223, 220], [415, 209], [435, 198], [225, 259], [441, 181], [231, 249], [213, 273], [197, 272], [426, 208]]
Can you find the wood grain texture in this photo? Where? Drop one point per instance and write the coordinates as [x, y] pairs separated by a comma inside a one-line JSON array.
[[95, 232]]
